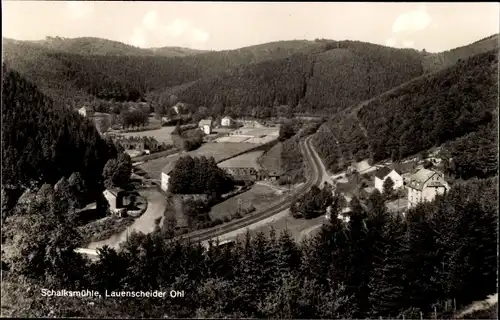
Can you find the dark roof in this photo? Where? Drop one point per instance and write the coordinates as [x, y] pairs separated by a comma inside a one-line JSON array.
[[205, 122], [382, 172], [418, 179]]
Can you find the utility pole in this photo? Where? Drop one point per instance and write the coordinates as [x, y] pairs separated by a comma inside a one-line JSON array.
[[239, 205]]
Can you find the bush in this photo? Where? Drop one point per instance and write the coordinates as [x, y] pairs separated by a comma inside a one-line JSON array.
[[103, 229]]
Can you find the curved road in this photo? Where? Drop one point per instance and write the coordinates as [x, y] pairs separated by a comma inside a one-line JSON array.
[[145, 223]]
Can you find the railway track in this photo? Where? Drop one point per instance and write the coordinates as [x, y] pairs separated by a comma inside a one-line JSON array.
[[314, 179]]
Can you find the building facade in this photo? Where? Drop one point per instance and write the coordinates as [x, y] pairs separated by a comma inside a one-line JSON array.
[[205, 126], [227, 122], [383, 174], [115, 198], [425, 185], [164, 181]]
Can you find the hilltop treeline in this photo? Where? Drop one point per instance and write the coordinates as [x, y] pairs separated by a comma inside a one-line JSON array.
[[43, 141], [128, 77], [307, 76], [437, 61], [347, 73], [377, 265], [417, 116]]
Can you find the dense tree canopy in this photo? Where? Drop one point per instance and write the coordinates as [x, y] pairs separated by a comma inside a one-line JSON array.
[[43, 141], [199, 175], [437, 108], [376, 265], [314, 203]]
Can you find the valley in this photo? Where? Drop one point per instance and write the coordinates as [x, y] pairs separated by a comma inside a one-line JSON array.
[[290, 179]]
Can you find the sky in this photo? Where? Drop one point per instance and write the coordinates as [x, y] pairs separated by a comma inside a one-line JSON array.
[[229, 25]]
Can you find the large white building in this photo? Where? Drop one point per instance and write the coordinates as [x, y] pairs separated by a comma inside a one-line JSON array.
[[425, 185], [383, 174]]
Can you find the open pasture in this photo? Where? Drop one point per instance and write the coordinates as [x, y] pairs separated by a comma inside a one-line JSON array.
[[259, 196], [256, 132], [221, 151], [233, 139], [271, 159], [246, 160], [163, 134]]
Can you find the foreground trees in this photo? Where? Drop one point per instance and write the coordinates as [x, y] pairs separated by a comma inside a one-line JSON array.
[[376, 265]]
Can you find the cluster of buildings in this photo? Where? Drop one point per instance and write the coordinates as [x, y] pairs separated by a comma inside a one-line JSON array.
[[207, 125], [423, 185]]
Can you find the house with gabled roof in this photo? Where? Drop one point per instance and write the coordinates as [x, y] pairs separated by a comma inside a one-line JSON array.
[[425, 185], [206, 126], [227, 121], [166, 172], [383, 174]]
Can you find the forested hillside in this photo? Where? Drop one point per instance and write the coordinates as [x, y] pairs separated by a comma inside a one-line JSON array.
[[437, 61], [377, 266], [425, 113], [320, 77], [68, 68], [99, 46], [345, 73], [43, 140]]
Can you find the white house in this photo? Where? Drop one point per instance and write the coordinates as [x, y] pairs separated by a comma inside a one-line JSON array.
[[226, 121], [86, 111], [382, 174], [165, 175], [206, 126], [425, 185]]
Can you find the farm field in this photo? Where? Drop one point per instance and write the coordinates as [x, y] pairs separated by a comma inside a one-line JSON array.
[[271, 159], [245, 160], [219, 151], [163, 134], [256, 132], [233, 139], [259, 196]]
